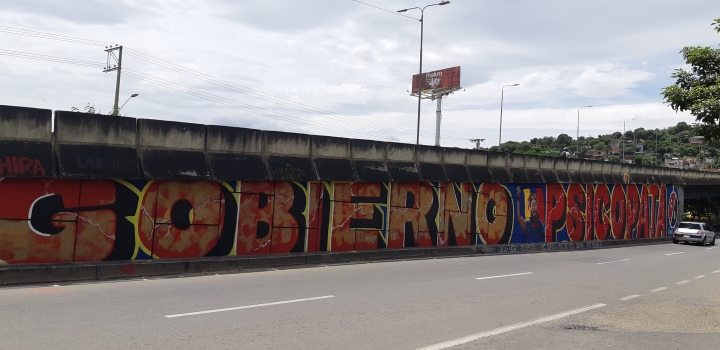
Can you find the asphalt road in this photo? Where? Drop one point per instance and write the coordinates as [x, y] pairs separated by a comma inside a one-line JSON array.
[[643, 297]]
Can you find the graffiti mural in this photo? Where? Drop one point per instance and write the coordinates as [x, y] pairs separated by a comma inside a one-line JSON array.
[[63, 220]]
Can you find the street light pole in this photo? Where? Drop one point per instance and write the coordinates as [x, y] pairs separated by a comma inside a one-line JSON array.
[[126, 101], [577, 134], [422, 25], [623, 138], [502, 97]]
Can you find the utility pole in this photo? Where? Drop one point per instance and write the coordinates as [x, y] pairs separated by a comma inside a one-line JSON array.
[[478, 143], [114, 67]]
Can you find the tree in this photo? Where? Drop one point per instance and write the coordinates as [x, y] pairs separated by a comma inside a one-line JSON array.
[[88, 109], [614, 159], [564, 140], [698, 90]]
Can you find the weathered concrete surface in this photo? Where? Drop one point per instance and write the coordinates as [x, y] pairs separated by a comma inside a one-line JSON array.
[[172, 150], [228, 153], [22, 123], [26, 148], [98, 129]]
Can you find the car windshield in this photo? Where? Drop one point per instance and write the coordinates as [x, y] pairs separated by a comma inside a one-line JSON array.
[[689, 225]]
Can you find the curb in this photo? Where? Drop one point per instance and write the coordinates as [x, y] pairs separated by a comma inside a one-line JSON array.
[[100, 271]]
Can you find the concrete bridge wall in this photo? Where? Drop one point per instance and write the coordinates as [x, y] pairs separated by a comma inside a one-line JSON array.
[[113, 188]]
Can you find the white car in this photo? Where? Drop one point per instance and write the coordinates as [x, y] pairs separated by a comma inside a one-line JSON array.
[[695, 232]]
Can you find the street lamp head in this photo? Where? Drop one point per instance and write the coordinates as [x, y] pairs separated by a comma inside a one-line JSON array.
[[403, 10], [134, 95], [444, 3], [516, 84]]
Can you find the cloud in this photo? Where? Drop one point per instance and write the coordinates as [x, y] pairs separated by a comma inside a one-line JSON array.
[[80, 12], [608, 80], [357, 62]]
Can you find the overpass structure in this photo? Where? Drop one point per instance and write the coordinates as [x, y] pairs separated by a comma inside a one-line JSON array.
[[104, 188]]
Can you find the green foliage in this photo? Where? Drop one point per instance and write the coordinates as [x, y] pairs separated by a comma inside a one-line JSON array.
[[614, 159], [698, 90], [88, 109]]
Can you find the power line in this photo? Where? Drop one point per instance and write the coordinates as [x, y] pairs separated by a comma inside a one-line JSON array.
[[191, 91], [39, 57], [239, 105], [269, 97], [380, 8], [220, 82], [42, 35]]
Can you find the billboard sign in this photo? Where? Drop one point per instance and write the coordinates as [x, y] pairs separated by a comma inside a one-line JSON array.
[[448, 78]]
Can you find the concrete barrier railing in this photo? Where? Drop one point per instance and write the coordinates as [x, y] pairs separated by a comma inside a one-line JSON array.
[[87, 146]]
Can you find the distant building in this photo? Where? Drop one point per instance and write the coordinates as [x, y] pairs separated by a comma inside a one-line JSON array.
[[697, 140], [596, 154], [674, 163]]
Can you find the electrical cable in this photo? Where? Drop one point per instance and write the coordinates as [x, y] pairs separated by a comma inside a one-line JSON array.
[[212, 80], [50, 58], [239, 105]]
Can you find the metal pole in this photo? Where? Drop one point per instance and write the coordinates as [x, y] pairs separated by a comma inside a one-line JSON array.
[[422, 22], [438, 120], [502, 96], [623, 141], [577, 136], [116, 110]]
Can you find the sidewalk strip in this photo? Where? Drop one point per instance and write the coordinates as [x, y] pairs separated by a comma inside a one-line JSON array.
[[248, 306], [515, 274], [498, 331]]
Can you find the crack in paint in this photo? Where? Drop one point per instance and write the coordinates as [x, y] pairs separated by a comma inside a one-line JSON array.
[[350, 217], [91, 224]]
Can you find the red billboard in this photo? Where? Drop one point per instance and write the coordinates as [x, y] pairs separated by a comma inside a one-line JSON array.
[[447, 78]]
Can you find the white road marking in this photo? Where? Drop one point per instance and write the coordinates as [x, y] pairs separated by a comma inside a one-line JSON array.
[[683, 282], [248, 306], [710, 248], [676, 253], [630, 297], [515, 274], [498, 331], [699, 277], [614, 261], [658, 289], [718, 271], [56, 285]]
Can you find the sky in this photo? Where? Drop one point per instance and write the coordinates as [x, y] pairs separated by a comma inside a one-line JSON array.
[[341, 68]]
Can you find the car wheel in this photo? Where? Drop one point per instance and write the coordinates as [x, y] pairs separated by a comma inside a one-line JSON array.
[[704, 241], [713, 241], [675, 241]]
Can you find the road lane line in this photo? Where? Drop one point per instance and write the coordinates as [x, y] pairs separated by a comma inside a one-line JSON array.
[[515, 274], [718, 271], [614, 261], [710, 248], [498, 331], [630, 297], [676, 253], [658, 289], [699, 277], [683, 282], [248, 306]]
